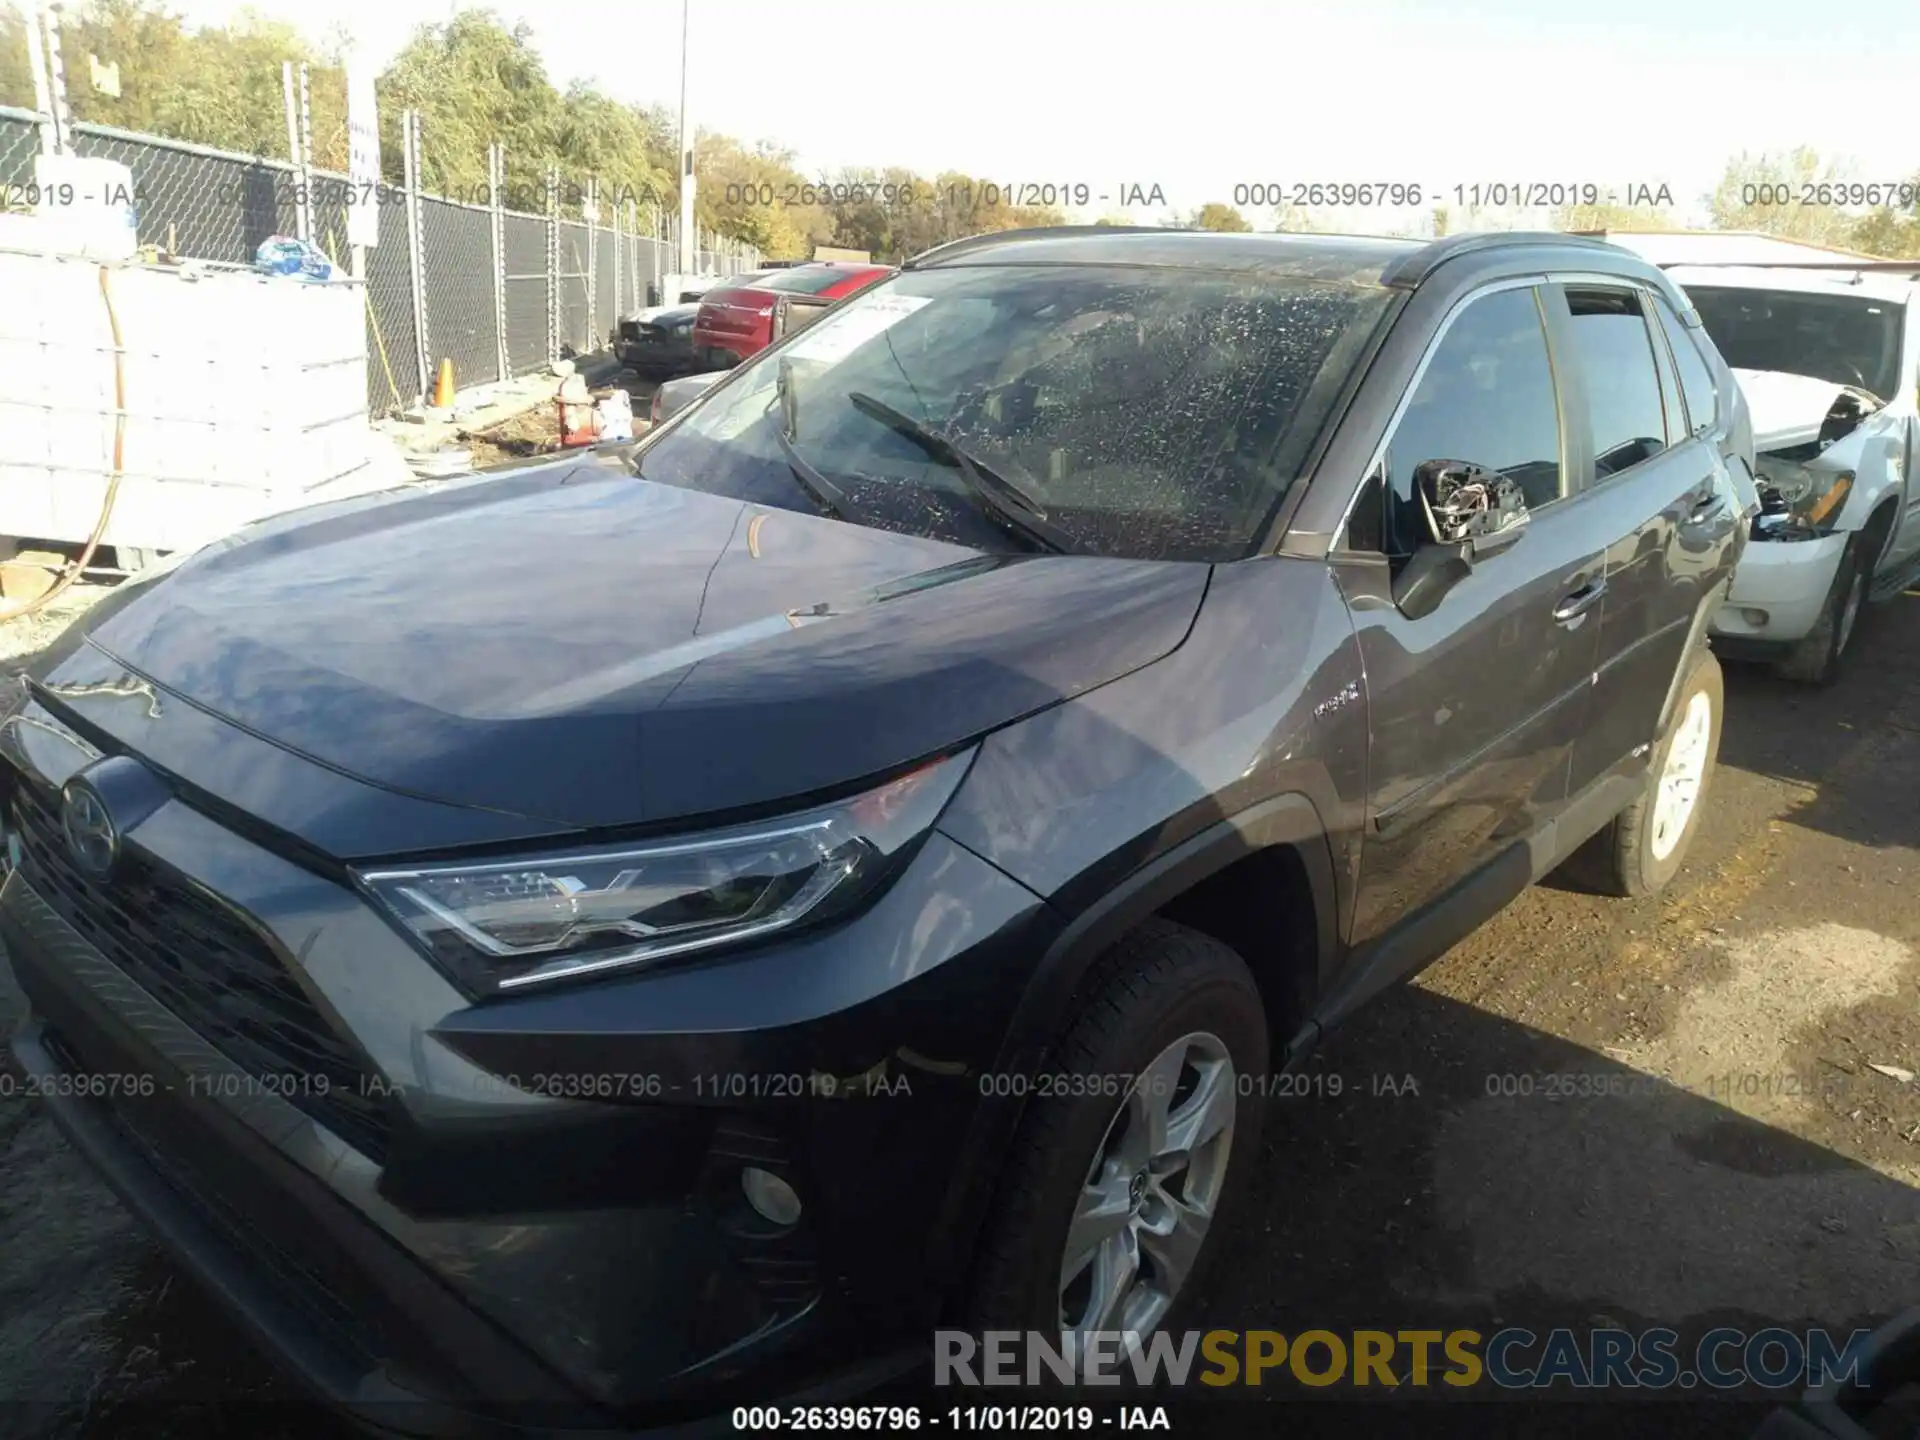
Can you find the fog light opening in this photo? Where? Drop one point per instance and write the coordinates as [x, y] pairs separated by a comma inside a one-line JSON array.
[[772, 1198], [1755, 617]]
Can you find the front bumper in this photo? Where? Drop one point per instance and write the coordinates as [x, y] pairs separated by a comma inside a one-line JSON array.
[[1779, 589], [548, 1263], [651, 355]]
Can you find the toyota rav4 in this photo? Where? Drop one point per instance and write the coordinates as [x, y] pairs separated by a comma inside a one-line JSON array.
[[580, 945]]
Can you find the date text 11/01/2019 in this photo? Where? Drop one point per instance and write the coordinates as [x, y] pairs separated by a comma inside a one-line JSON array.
[[1491, 194], [904, 1419]]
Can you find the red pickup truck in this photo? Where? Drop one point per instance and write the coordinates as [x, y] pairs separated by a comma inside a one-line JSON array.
[[737, 321]]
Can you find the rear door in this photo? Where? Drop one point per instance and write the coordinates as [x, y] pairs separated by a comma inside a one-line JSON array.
[[1474, 708], [1659, 491]]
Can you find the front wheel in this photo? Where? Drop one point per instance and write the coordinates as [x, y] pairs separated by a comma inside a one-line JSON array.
[[1133, 1146], [1817, 659]]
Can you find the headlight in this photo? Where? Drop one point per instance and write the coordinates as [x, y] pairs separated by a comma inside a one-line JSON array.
[[508, 924], [1799, 503]]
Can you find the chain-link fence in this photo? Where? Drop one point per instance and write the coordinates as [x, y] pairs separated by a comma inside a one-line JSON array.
[[500, 293], [527, 290], [456, 247]]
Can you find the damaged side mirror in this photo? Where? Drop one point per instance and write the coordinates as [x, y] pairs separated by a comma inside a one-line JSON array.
[[1471, 512]]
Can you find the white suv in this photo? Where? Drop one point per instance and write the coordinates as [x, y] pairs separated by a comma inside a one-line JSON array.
[[1829, 357]]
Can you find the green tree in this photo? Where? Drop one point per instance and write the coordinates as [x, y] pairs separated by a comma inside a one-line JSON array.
[[1215, 216], [1762, 192], [755, 194], [473, 82], [617, 144], [217, 86], [1891, 230], [16, 78], [1613, 217]]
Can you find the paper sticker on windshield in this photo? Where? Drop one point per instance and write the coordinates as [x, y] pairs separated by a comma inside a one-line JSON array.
[[840, 335]]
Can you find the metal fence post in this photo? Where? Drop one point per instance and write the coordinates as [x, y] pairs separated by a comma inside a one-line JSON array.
[[638, 295], [304, 179], [293, 115], [553, 263], [496, 182], [613, 237], [410, 154], [592, 215], [43, 121], [62, 117]]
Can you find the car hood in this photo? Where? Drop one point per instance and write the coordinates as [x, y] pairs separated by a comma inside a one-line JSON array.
[[654, 314], [666, 315], [1787, 409], [574, 644], [676, 395]]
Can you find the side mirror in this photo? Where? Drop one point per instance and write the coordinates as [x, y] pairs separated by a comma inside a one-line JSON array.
[[1468, 502], [1472, 512]]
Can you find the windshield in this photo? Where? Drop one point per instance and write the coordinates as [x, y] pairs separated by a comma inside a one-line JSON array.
[[1127, 411], [1843, 339]]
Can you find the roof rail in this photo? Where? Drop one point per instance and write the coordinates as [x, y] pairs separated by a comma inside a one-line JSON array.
[[991, 238], [1876, 267], [1411, 270]]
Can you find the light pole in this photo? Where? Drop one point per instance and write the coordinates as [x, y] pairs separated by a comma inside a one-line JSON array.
[[689, 242]]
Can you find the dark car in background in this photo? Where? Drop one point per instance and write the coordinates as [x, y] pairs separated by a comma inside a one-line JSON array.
[[657, 343], [737, 321], [855, 870]]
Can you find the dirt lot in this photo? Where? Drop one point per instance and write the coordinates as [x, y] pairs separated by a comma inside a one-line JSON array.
[[537, 431], [1774, 1182]]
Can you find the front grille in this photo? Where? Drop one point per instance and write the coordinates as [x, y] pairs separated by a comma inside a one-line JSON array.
[[209, 969], [629, 330]]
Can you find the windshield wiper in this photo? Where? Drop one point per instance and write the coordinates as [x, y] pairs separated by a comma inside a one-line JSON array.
[[822, 491], [1003, 500]]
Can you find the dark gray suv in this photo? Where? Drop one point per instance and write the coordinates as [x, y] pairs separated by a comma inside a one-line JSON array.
[[597, 943]]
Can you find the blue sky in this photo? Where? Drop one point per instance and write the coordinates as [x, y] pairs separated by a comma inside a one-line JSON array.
[[1204, 95]]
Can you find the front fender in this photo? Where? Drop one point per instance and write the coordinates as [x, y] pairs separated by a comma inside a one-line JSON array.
[[1058, 980]]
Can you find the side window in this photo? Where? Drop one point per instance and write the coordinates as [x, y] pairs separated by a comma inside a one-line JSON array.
[[1614, 349], [1487, 397], [1367, 524], [1696, 380], [1677, 430]]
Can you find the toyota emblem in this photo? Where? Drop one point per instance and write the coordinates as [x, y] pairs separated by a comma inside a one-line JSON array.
[[91, 838]]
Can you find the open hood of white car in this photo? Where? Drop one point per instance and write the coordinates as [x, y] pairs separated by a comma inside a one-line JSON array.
[[1787, 409]]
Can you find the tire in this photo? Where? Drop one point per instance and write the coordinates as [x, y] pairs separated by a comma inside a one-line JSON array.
[[1816, 660], [1642, 847], [1159, 988]]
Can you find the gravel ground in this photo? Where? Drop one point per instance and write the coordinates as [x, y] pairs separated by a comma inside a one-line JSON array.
[[1774, 1182]]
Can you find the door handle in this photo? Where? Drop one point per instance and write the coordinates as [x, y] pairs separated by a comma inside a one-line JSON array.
[[1707, 507], [1576, 603]]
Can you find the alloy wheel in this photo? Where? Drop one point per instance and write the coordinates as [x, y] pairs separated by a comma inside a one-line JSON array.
[[1683, 776], [1152, 1191]]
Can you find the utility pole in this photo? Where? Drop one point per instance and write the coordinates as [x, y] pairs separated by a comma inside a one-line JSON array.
[[689, 243]]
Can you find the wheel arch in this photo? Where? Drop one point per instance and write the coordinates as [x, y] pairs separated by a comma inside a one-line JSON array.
[[1285, 832], [1878, 531]]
